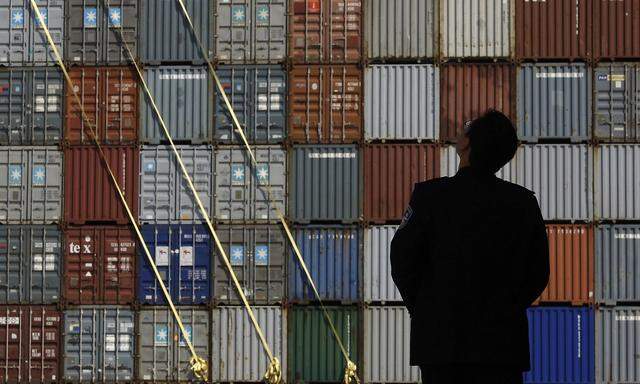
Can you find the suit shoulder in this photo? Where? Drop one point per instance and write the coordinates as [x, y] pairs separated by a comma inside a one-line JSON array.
[[516, 189], [432, 185]]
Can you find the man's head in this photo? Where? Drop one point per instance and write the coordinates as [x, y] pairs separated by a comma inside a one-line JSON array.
[[488, 142]]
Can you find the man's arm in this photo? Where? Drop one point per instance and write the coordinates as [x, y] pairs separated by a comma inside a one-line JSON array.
[[537, 259]]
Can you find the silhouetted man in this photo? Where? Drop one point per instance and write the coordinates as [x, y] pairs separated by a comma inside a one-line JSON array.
[[469, 257]]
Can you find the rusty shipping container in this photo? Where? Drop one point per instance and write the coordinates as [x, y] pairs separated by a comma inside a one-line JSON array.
[[616, 29], [109, 97], [325, 104], [390, 171], [467, 90], [89, 194], [323, 31]]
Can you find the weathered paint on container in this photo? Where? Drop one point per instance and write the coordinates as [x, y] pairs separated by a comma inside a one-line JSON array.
[[378, 284], [257, 94], [164, 196], [324, 183], [617, 273], [238, 355], [30, 106], [109, 96], [617, 102], [449, 160], [99, 344], [163, 354], [390, 172], [30, 339], [617, 182], [561, 345], [30, 185], [332, 255], [401, 102], [314, 356], [95, 30], [89, 193], [616, 29], [387, 346], [251, 31], [325, 104], [30, 258], [257, 256], [554, 102], [617, 331], [184, 97]]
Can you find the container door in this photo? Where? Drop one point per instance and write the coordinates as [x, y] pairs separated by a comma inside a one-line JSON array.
[[158, 240], [119, 253], [306, 30], [14, 107], [119, 97], [236, 243], [45, 185], [157, 182], [268, 92], [12, 324], [269, 30], [85, 28], [43, 265], [342, 35], [53, 13], [46, 115], [268, 264], [82, 266], [120, 24], [13, 196], [86, 83], [118, 345], [11, 260], [191, 261], [235, 83], [42, 359], [234, 31], [197, 161], [14, 25], [270, 171], [81, 340]]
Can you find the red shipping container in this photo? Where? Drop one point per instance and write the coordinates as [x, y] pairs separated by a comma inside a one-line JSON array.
[[29, 344], [616, 29], [99, 265], [89, 194], [390, 171]]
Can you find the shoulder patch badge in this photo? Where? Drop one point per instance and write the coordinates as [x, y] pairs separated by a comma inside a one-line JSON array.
[[406, 216]]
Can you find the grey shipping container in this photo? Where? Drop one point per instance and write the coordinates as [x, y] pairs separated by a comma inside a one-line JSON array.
[[164, 194], [617, 102], [99, 344], [30, 259], [617, 182], [251, 31], [401, 102], [387, 346], [238, 355], [378, 284], [184, 97], [96, 31], [22, 39], [554, 102], [31, 106], [165, 34], [30, 185], [163, 354], [257, 95], [617, 270], [324, 183], [401, 29], [241, 190], [617, 345], [257, 256]]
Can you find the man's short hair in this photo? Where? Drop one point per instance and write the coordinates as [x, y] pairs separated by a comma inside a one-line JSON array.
[[493, 140]]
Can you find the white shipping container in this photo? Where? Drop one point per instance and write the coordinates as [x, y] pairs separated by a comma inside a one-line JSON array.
[[378, 284], [617, 182]]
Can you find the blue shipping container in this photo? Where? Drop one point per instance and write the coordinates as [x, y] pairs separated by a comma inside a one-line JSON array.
[[562, 345], [182, 254], [332, 256]]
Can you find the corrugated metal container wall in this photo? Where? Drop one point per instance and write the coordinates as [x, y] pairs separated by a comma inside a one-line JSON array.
[[449, 160], [476, 28], [387, 346], [30, 339], [325, 104], [324, 183], [165, 33], [184, 97], [30, 258], [554, 102], [163, 354], [99, 344], [561, 344], [109, 97], [30, 185], [95, 31], [617, 182], [99, 265], [616, 29], [314, 356], [617, 102], [467, 90], [390, 172], [401, 102], [332, 255], [325, 31], [30, 106], [401, 29], [617, 272], [617, 331], [257, 256], [251, 31], [164, 195], [89, 193], [238, 355], [183, 257], [257, 94], [378, 284]]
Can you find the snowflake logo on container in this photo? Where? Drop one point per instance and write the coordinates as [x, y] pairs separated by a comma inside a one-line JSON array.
[[263, 173], [115, 19], [238, 13], [187, 331], [38, 175], [17, 18], [162, 335], [237, 255], [45, 16], [150, 166], [237, 172], [90, 17], [262, 255], [263, 13], [15, 175]]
